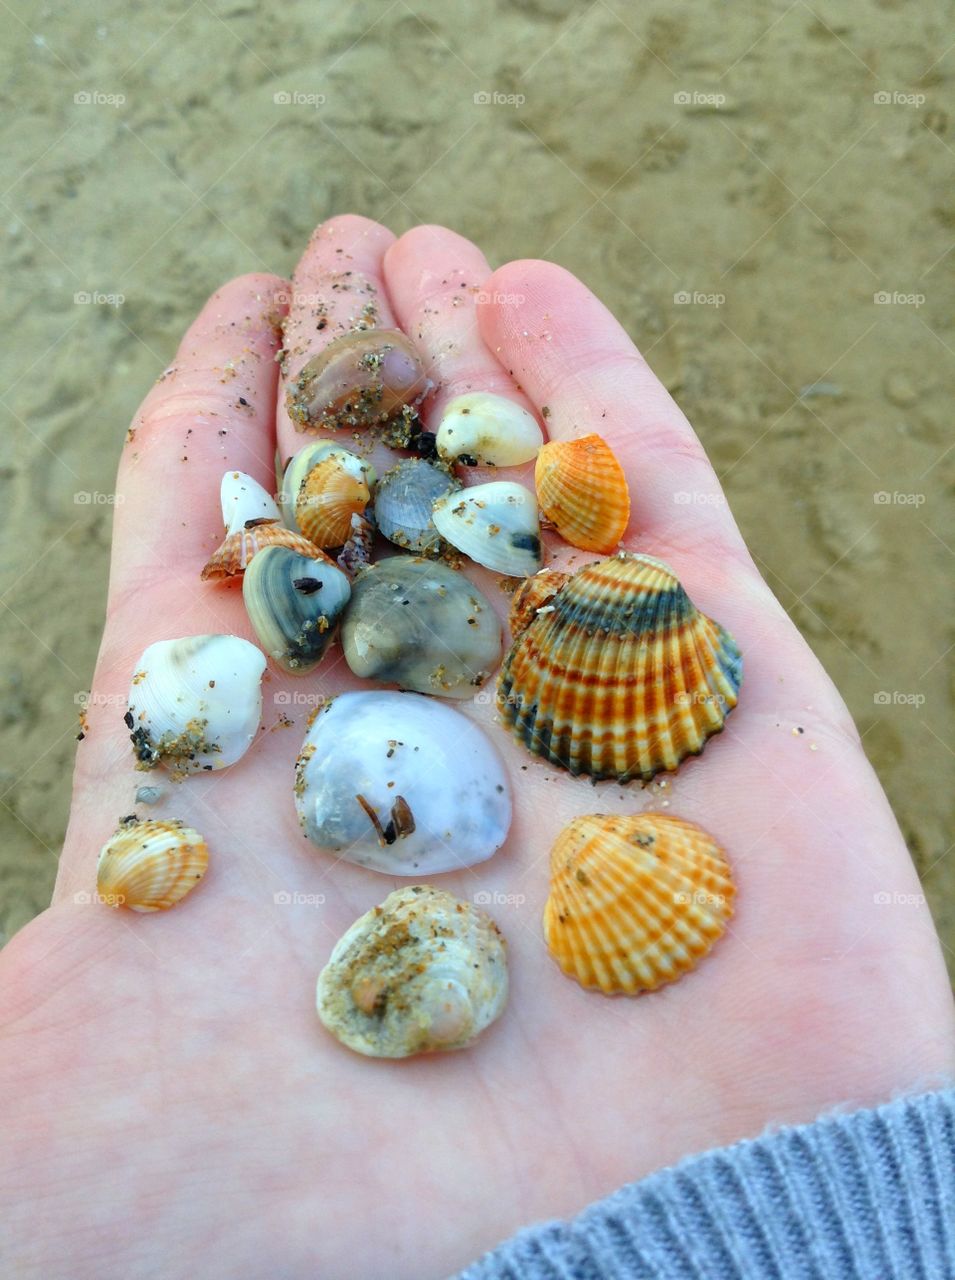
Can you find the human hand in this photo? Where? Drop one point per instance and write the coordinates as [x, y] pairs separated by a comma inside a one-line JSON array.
[[172, 1105]]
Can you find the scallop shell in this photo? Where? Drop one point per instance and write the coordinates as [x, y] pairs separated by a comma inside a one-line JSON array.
[[635, 901], [335, 489], [583, 491], [232, 558], [482, 428], [243, 499], [495, 524], [195, 703], [294, 606], [404, 500], [361, 378], [423, 972], [621, 677], [402, 784], [150, 866], [422, 626], [534, 594]]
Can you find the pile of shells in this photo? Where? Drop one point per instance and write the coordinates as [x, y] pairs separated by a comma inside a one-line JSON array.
[[611, 673]]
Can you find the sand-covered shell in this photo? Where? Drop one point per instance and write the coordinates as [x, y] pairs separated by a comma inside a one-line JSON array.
[[361, 378], [422, 972], [479, 427], [495, 524], [532, 596], [620, 676], [635, 900], [150, 866], [333, 490], [582, 491], [404, 500], [422, 626], [402, 784], [232, 559], [195, 703], [294, 604]]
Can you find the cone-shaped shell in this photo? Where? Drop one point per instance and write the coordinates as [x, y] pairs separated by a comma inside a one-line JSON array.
[[419, 973], [533, 594], [620, 676], [150, 866], [232, 558], [582, 490], [332, 492], [635, 901]]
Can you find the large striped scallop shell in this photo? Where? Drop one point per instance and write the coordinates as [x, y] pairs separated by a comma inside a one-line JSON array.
[[582, 490], [635, 901], [150, 866], [619, 675], [232, 558]]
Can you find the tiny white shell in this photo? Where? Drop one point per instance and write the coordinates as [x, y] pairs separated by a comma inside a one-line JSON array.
[[195, 703], [495, 524], [489, 429], [245, 499], [402, 784]]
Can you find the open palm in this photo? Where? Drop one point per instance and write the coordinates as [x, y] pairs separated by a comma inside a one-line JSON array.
[[172, 1106]]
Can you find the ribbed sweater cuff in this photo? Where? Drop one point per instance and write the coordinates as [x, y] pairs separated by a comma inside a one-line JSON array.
[[861, 1196]]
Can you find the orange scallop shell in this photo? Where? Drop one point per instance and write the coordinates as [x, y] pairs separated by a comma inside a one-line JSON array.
[[582, 490], [232, 558], [620, 676], [635, 901], [150, 866], [328, 498], [534, 593]]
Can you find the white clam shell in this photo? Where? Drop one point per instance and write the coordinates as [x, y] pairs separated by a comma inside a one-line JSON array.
[[489, 429], [245, 499], [387, 748], [421, 972], [496, 524], [196, 703]]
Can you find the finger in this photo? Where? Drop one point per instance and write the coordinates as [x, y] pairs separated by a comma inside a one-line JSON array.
[[569, 353], [211, 411], [337, 286]]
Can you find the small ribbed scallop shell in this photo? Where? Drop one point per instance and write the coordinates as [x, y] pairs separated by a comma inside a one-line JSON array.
[[533, 594], [635, 901], [332, 492], [621, 676], [583, 491], [150, 866], [232, 558], [423, 972]]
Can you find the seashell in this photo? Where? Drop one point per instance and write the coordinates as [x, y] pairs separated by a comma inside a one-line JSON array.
[[403, 502], [357, 550], [401, 784], [243, 499], [195, 703], [420, 973], [621, 677], [149, 795], [635, 901], [294, 605], [484, 428], [495, 524], [333, 490], [360, 379], [583, 491], [233, 557], [532, 595], [422, 626], [150, 866]]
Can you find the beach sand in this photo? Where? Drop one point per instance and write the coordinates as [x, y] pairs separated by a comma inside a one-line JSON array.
[[739, 185]]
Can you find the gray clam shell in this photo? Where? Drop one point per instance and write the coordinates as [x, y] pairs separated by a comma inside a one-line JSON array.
[[422, 626], [432, 779], [294, 603], [403, 502]]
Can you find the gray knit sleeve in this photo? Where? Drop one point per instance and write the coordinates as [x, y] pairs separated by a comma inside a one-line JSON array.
[[864, 1196]]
